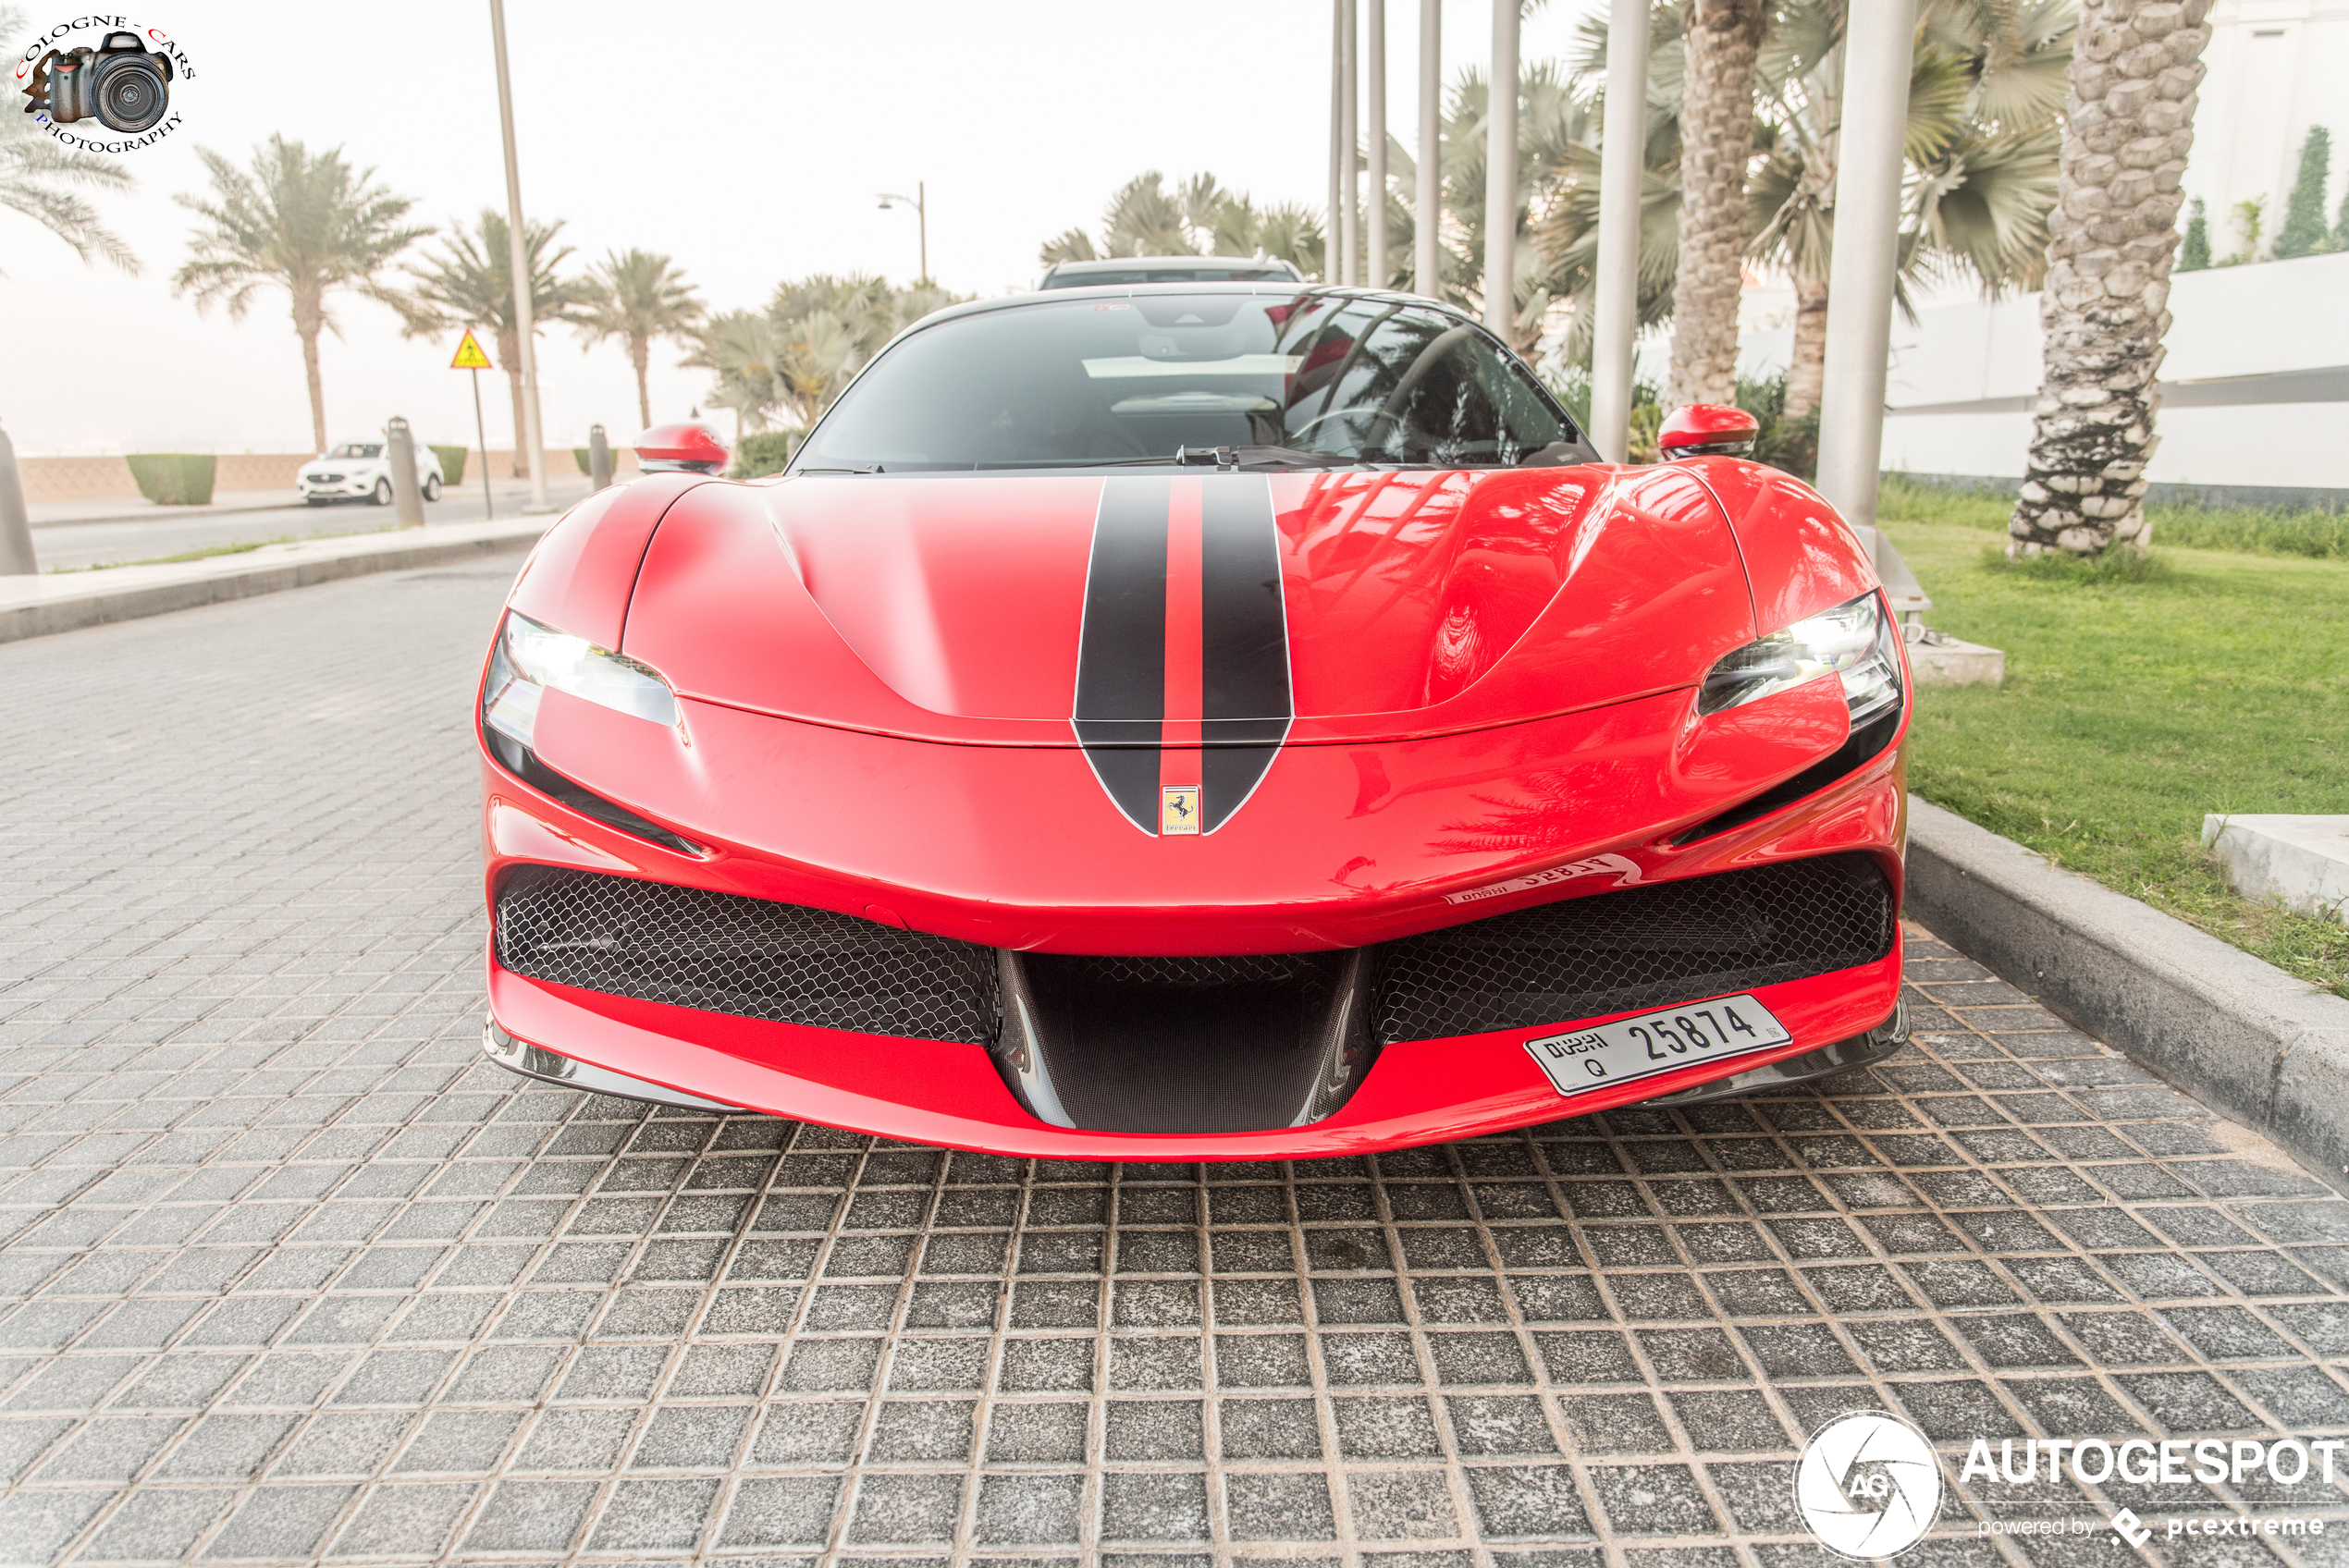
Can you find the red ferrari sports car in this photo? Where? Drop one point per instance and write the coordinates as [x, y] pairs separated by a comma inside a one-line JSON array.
[[1198, 721]]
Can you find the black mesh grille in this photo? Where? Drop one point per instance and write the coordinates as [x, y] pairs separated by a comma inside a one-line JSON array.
[[1611, 952], [1643, 947], [749, 957]]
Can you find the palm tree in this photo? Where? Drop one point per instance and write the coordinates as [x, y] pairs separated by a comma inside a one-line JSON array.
[[471, 283], [636, 297], [35, 172], [827, 327], [307, 223], [2105, 302], [1986, 83], [1197, 217], [1722, 43], [741, 346]]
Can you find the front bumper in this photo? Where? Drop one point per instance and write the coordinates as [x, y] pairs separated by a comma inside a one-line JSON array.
[[831, 830], [950, 1093]]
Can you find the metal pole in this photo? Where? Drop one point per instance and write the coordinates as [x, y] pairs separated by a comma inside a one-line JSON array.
[[407, 499], [16, 528], [519, 248], [1349, 212], [482, 435], [921, 221], [1622, 167], [1374, 267], [1879, 47], [1500, 174], [1427, 217], [598, 459], [1337, 132]]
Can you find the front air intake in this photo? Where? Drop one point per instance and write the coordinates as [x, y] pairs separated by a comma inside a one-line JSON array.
[[1642, 947], [753, 958], [1176, 1045]]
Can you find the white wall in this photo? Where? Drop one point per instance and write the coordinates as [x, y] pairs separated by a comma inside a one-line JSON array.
[[2273, 69], [2226, 322]]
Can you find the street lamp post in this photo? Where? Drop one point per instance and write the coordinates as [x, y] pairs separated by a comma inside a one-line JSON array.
[[519, 257], [1622, 160], [1500, 176], [919, 201], [1877, 57], [1427, 214], [1374, 262], [1349, 212]]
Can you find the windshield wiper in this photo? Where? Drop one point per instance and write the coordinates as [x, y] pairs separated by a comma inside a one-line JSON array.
[[1260, 457], [841, 468]]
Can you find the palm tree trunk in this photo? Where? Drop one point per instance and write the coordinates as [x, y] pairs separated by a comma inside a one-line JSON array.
[[1806, 371], [309, 317], [2105, 306], [640, 353], [510, 360], [1716, 138]]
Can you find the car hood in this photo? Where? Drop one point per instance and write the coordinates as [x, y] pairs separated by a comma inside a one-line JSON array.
[[1320, 607]]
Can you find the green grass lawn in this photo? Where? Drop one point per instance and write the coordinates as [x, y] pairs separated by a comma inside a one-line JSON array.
[[2137, 700]]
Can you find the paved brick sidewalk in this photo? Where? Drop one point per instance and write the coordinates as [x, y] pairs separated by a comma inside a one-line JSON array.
[[289, 1276]]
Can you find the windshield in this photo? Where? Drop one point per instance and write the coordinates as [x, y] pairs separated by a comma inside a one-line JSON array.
[[1308, 378], [357, 450]]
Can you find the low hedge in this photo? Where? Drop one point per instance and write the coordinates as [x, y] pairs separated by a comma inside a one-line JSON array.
[[766, 451], [452, 464], [174, 479]]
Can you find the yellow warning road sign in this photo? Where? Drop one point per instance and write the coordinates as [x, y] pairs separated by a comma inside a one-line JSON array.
[[469, 355]]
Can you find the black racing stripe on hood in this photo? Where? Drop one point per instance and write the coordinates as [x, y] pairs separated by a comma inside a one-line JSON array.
[[1121, 658], [1244, 684]]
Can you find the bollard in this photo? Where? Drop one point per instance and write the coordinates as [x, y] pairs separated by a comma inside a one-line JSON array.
[[16, 528], [598, 459], [400, 451]]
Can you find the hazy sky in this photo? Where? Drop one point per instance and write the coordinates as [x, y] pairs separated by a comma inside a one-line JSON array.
[[747, 141]]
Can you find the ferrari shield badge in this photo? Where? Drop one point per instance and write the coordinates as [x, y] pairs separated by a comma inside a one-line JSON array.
[[1178, 809]]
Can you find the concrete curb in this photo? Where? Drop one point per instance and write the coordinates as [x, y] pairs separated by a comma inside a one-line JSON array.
[[36, 607], [2237, 1033], [154, 513]]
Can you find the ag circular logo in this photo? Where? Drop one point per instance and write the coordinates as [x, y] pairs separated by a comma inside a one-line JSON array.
[[1868, 1485]]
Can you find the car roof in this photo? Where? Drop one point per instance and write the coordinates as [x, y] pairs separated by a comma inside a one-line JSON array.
[[1172, 264], [1274, 287]]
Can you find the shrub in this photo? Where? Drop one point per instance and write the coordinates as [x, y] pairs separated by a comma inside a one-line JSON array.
[[174, 479], [1788, 444], [452, 464], [765, 451]]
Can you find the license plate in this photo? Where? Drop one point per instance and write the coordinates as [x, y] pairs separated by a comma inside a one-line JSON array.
[[1632, 1049]]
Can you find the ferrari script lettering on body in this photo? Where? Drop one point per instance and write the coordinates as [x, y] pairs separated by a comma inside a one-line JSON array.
[[1628, 873]]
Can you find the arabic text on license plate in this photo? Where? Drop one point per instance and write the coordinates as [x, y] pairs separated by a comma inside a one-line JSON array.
[[1632, 1049]]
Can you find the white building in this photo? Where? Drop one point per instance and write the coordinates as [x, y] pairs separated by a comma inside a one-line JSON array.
[[2273, 69], [2257, 364]]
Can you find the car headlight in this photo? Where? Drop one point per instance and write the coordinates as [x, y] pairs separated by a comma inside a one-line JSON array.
[[529, 660], [1854, 639]]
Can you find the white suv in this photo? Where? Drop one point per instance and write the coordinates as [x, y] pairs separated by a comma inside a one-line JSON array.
[[361, 470]]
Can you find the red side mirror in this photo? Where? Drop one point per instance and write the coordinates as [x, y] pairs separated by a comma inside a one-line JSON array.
[[689, 446], [1708, 429]]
